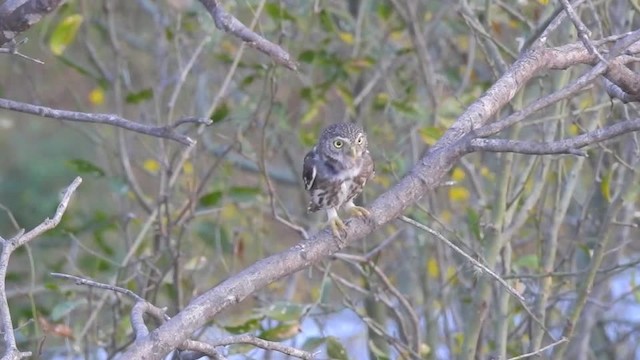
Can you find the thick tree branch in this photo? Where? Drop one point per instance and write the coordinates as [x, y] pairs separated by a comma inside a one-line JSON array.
[[425, 176], [17, 16], [227, 23], [8, 247], [167, 132]]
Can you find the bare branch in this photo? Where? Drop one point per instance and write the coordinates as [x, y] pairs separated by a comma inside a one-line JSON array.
[[521, 147], [565, 146], [17, 16], [167, 132], [8, 247], [541, 350], [227, 23], [13, 50], [264, 344], [616, 92], [583, 32], [91, 283]]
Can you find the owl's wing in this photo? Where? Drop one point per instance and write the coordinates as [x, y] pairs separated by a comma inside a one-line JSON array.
[[309, 169], [368, 168]]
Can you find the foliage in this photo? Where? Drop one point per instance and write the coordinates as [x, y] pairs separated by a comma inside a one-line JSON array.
[[167, 223]]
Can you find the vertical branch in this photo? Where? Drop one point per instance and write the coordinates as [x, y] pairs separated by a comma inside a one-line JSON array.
[[11, 351]]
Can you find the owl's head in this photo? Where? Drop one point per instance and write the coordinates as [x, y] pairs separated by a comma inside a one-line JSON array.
[[344, 142]]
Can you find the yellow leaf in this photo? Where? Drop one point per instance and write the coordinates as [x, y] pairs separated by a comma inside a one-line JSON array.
[[458, 174], [484, 171], [64, 33], [187, 168], [432, 268], [605, 186], [573, 130], [543, 2], [312, 112], [152, 166], [586, 102], [382, 180], [346, 37], [458, 194], [452, 277], [96, 96], [446, 216], [229, 211]]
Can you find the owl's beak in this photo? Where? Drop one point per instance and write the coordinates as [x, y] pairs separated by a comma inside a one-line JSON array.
[[353, 152]]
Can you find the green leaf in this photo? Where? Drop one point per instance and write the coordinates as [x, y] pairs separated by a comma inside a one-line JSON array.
[[210, 199], [473, 222], [220, 113], [85, 167], [281, 332], [138, 97], [307, 56], [277, 12], [64, 308], [384, 10], [313, 343], [326, 21], [250, 325], [335, 350], [64, 33], [283, 311], [243, 193], [431, 134], [379, 354], [530, 261]]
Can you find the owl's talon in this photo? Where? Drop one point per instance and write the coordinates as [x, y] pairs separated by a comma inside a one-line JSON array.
[[359, 211], [338, 228]]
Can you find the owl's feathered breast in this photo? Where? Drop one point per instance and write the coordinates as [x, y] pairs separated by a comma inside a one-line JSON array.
[[329, 184]]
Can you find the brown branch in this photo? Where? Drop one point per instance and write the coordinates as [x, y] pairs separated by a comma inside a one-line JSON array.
[[564, 146], [17, 16], [426, 175], [140, 329], [167, 132], [616, 92], [227, 23], [8, 247], [583, 32], [264, 344]]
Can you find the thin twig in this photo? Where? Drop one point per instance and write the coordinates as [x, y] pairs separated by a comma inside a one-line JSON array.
[[8, 247], [583, 32], [475, 262], [541, 350], [227, 23]]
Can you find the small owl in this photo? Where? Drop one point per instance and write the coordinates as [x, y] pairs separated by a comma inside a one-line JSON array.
[[336, 170]]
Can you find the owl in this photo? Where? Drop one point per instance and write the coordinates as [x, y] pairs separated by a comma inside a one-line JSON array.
[[336, 170]]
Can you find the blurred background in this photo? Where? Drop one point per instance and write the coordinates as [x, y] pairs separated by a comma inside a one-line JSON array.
[[169, 224]]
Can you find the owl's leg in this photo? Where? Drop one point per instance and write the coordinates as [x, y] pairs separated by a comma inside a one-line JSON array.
[[356, 210], [337, 226]]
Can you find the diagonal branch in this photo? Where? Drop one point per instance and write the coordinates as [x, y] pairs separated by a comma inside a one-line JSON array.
[[564, 146], [227, 23], [17, 16], [167, 132]]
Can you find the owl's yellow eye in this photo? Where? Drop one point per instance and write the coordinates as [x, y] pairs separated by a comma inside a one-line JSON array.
[[338, 144], [360, 140]]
